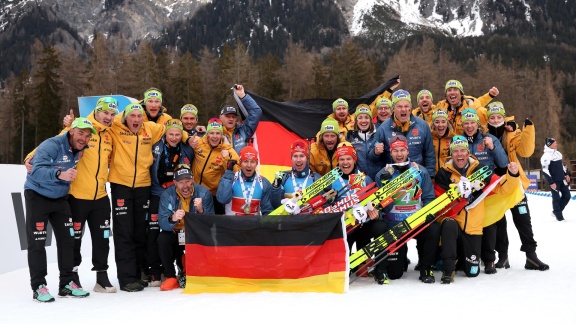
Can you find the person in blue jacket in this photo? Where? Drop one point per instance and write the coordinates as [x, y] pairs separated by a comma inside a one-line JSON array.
[[184, 197], [415, 129], [362, 138], [489, 151], [286, 183], [406, 204], [45, 192], [245, 192], [557, 176], [167, 154], [235, 134]]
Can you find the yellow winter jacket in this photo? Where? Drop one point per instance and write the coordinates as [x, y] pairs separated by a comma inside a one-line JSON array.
[[132, 155], [90, 182], [455, 117], [520, 142], [471, 221], [442, 146], [209, 164], [426, 116], [319, 161], [344, 127], [162, 119], [373, 107]]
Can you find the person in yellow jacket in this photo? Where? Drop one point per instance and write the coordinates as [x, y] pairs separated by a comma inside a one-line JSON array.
[[130, 184], [456, 102], [152, 104], [386, 94], [88, 197], [425, 107], [322, 157], [516, 142], [463, 232], [342, 116], [211, 159], [442, 133]]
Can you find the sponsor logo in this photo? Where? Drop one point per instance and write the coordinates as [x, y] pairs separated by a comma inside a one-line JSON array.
[[71, 231], [480, 147], [40, 226], [121, 213], [219, 159], [154, 217], [415, 132], [121, 208], [120, 202], [106, 234], [127, 142], [77, 226], [186, 161], [474, 270]]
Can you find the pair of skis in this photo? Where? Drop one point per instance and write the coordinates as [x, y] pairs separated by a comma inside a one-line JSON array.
[[400, 234]]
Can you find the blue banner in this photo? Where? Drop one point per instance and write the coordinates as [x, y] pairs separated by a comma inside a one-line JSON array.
[[87, 104], [533, 182]]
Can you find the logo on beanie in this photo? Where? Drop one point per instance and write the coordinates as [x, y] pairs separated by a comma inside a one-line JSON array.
[[153, 94], [329, 128]]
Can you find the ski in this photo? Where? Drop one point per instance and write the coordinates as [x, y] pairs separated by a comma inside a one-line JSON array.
[[412, 223], [313, 190]]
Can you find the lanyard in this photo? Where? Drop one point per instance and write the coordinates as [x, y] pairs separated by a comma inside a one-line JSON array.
[[302, 184], [247, 193]]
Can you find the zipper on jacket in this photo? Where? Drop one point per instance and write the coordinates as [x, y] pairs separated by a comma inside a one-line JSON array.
[[98, 168], [135, 161], [439, 150], [204, 167]]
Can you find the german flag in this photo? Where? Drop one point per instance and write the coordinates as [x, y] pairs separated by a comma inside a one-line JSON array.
[[298, 253], [284, 122]]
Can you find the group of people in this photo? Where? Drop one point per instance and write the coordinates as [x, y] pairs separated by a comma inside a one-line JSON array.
[[160, 168]]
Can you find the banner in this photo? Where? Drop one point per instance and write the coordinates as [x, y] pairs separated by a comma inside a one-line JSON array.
[[533, 182], [298, 253], [87, 104]]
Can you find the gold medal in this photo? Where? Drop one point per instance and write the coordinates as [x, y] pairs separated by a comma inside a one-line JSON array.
[[247, 209]]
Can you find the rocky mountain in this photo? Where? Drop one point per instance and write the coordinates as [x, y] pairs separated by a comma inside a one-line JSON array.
[[267, 26]]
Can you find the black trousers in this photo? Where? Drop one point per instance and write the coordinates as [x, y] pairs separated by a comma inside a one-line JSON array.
[[153, 263], [39, 211], [560, 198], [427, 245], [129, 218], [97, 214], [522, 221], [461, 247], [170, 251]]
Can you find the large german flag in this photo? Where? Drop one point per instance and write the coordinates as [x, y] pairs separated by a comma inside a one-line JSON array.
[[298, 253], [284, 122]]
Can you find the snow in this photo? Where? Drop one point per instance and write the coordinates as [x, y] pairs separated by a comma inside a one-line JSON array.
[[513, 295]]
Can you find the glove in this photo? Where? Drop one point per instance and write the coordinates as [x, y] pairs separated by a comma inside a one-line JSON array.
[[230, 165], [528, 122], [359, 213], [464, 187], [290, 206], [278, 179], [512, 124], [385, 176]]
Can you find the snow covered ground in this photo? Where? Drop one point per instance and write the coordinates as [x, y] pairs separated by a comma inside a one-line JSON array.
[[513, 295]]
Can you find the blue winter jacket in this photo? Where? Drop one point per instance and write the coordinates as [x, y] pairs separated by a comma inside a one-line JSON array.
[[170, 202], [242, 133], [302, 179], [362, 142], [342, 182], [186, 157], [52, 155], [420, 145], [419, 196], [497, 158], [226, 189]]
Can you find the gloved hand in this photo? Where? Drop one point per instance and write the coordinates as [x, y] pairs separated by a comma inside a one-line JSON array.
[[464, 187], [290, 206], [230, 165], [385, 176], [528, 122], [512, 124], [278, 176]]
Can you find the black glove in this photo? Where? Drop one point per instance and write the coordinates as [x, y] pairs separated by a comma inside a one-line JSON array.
[[512, 124], [528, 122], [385, 176], [230, 165]]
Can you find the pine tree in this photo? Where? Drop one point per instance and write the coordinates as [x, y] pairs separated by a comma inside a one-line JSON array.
[[270, 85], [23, 139], [47, 95]]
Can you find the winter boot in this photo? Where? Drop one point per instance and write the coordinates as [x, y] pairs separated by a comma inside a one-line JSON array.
[[533, 263], [381, 277], [447, 277], [42, 295], [426, 275], [169, 284], [502, 262], [103, 285], [133, 286], [489, 268], [72, 290]]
